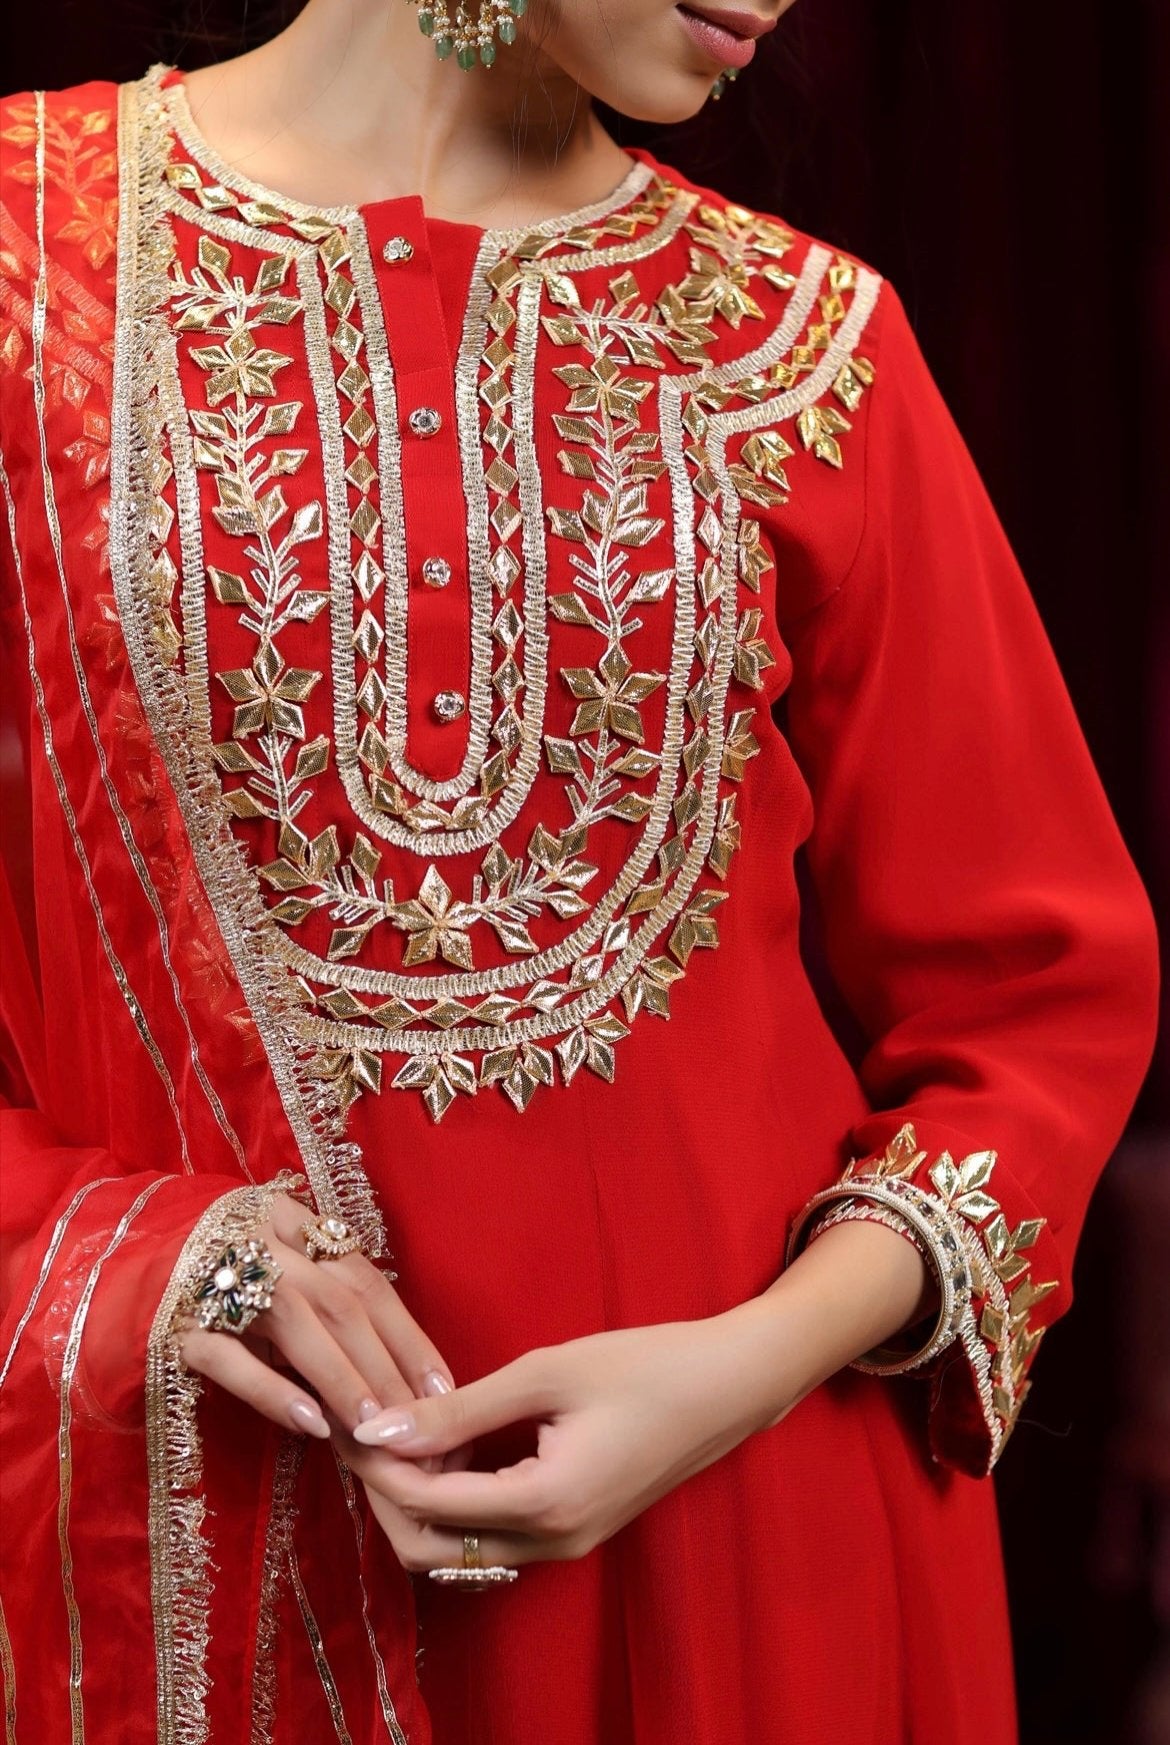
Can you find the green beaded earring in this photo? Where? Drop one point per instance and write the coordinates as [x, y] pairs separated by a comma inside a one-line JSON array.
[[727, 77], [470, 37]]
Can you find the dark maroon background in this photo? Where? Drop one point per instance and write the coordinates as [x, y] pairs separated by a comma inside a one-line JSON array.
[[1007, 165]]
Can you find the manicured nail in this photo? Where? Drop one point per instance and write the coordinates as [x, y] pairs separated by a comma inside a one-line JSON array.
[[367, 1410], [390, 1427], [435, 1382], [306, 1415]]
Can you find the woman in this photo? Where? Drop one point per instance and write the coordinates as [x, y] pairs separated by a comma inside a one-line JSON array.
[[455, 564]]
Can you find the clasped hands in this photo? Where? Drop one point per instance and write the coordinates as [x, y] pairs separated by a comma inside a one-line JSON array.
[[621, 1417]]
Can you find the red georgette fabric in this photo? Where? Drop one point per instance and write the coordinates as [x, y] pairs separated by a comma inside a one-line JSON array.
[[516, 984]]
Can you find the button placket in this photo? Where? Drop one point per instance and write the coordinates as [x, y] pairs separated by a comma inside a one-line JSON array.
[[419, 340]]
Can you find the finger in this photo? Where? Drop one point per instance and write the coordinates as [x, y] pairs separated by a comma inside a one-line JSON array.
[[516, 1497], [287, 1216], [343, 1316], [417, 1357], [296, 1328], [420, 1547], [517, 1391], [225, 1360]]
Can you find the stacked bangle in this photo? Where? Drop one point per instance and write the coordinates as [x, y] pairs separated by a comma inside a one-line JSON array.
[[921, 1219]]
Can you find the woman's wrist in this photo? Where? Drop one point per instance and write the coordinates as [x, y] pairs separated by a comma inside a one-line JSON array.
[[852, 1289]]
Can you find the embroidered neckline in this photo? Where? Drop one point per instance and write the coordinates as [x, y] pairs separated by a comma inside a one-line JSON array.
[[477, 1000], [202, 152]]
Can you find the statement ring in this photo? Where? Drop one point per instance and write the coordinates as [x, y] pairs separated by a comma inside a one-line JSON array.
[[328, 1238], [237, 1288], [472, 1573]]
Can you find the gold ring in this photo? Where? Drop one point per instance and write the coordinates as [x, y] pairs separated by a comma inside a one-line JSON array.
[[472, 1574], [328, 1238]]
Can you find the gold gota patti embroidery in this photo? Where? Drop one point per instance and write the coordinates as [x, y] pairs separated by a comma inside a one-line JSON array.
[[513, 961], [995, 1288]]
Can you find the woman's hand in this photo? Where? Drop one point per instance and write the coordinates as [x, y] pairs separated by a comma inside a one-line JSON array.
[[338, 1324], [623, 1417]]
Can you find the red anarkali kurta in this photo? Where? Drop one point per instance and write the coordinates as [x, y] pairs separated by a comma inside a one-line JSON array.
[[428, 649]]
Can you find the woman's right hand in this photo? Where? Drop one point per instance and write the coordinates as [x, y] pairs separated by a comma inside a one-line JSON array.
[[336, 1324]]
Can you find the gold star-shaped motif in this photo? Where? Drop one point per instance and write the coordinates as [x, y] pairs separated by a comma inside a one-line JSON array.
[[740, 745], [437, 924], [752, 654], [721, 285], [239, 366], [440, 1078], [603, 388], [610, 696], [268, 694], [520, 1071], [818, 428]]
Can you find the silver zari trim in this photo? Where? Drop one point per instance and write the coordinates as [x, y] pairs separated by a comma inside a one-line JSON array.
[[143, 358]]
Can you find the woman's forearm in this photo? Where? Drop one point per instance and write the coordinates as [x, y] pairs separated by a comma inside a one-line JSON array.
[[854, 1287]]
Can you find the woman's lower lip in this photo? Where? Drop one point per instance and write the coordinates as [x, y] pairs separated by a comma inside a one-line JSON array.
[[725, 48]]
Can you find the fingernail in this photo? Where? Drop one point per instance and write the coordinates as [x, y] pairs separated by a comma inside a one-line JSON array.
[[435, 1382], [367, 1410], [306, 1415], [389, 1427]]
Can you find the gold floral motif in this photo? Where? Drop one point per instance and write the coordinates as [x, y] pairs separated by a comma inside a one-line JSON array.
[[382, 742], [734, 246], [150, 417]]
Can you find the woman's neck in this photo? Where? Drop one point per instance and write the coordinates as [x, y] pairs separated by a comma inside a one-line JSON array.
[[349, 105]]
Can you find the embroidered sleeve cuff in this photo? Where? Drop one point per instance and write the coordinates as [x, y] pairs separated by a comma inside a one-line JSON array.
[[985, 1335]]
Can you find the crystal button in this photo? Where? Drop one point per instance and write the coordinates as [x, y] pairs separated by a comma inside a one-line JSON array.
[[399, 248], [449, 705], [436, 572], [425, 421]]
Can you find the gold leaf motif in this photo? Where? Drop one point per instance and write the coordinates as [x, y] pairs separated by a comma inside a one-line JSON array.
[[752, 654], [569, 608], [818, 428]]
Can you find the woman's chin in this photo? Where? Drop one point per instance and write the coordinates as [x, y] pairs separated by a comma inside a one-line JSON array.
[[662, 102]]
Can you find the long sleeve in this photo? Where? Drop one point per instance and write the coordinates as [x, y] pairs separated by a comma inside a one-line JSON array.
[[980, 913]]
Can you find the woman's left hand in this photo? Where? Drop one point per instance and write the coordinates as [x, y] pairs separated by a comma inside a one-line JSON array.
[[622, 1416]]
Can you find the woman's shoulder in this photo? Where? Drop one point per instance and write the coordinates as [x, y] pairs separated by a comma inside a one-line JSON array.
[[58, 254], [803, 302], [825, 315], [761, 240], [60, 121]]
